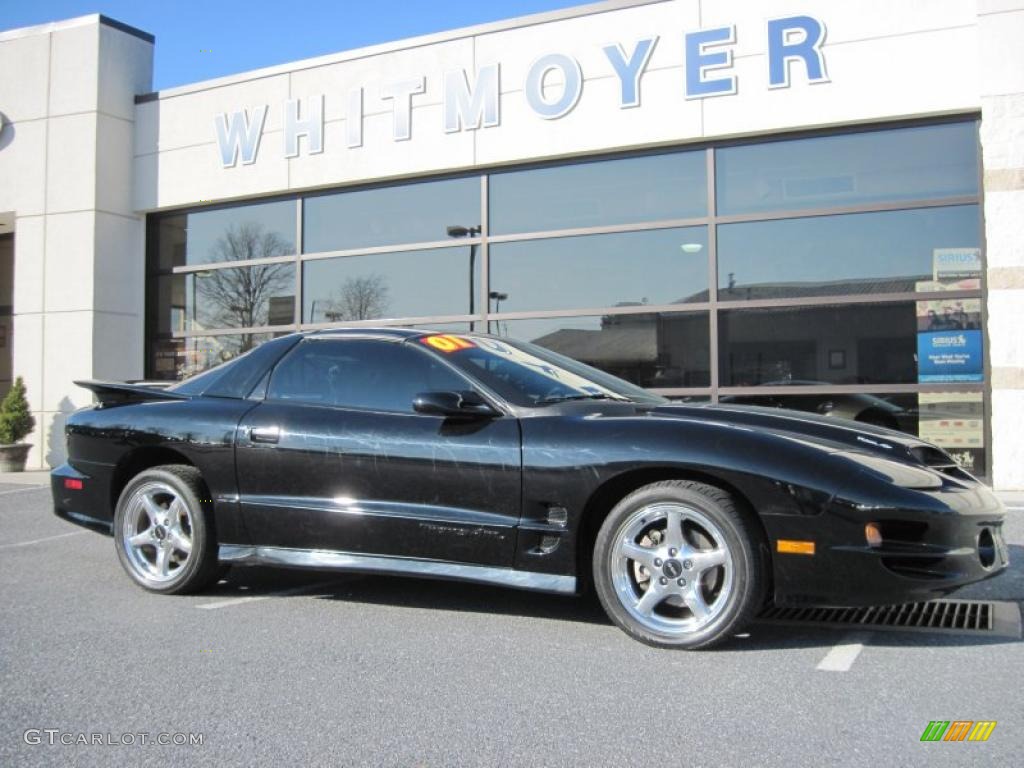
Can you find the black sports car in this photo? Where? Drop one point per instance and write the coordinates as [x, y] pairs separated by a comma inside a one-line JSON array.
[[484, 459]]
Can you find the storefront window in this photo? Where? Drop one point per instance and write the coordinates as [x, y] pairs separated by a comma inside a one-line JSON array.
[[655, 350], [243, 297], [439, 281], [239, 233], [922, 162], [906, 251], [851, 344], [411, 213], [624, 191], [661, 266]]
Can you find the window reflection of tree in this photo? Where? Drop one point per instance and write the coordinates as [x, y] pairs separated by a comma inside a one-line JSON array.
[[359, 298], [239, 298]]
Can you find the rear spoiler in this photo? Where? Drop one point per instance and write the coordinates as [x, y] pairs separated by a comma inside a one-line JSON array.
[[116, 393]]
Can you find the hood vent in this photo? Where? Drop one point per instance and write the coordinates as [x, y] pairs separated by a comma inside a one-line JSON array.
[[940, 461]]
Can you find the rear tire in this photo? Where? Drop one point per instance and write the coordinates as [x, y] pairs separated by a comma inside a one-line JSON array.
[[677, 564], [164, 532]]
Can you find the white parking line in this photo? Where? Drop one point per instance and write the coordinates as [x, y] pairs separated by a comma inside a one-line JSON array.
[[254, 598], [844, 653], [40, 541], [23, 490]]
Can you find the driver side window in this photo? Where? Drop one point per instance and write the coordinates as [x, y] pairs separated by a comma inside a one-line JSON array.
[[359, 373]]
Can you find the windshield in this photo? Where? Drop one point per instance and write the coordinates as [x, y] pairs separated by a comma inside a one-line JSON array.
[[528, 375]]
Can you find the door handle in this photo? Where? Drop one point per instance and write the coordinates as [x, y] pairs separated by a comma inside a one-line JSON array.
[[265, 434]]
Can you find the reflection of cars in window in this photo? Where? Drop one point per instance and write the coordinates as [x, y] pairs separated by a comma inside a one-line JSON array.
[[865, 408], [476, 458]]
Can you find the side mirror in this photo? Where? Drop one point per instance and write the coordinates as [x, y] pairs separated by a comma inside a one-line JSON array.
[[453, 405]]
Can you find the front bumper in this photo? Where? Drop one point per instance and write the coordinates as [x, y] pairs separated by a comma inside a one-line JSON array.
[[933, 543]]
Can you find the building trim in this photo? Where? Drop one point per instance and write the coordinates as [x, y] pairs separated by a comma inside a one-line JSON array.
[[78, 21]]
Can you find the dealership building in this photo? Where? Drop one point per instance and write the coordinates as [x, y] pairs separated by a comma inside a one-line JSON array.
[[810, 204]]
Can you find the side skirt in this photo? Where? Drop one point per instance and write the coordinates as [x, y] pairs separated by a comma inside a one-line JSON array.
[[349, 561]]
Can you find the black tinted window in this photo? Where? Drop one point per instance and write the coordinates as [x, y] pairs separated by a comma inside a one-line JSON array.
[[247, 371], [373, 375]]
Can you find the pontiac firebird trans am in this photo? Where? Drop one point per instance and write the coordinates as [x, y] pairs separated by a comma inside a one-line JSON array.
[[489, 460]]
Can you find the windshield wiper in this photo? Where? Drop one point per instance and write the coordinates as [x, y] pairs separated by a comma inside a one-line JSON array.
[[565, 398]]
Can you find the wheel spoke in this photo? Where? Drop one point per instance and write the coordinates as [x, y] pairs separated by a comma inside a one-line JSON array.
[[640, 554], [153, 510], [141, 539], [694, 600], [650, 599], [704, 560], [674, 528], [163, 562], [180, 541], [176, 511]]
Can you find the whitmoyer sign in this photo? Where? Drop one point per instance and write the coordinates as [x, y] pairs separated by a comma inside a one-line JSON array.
[[552, 88]]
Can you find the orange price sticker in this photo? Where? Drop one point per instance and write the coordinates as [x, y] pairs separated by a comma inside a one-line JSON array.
[[447, 343]]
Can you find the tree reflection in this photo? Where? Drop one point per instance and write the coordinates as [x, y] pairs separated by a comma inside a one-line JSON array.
[[240, 298], [359, 298]]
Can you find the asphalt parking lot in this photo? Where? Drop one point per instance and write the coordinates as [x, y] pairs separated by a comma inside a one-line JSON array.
[[278, 667]]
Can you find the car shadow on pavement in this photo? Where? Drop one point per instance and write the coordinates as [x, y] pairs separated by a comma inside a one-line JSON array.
[[395, 591], [765, 636]]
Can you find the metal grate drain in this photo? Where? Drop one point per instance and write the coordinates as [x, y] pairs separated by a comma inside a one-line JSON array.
[[992, 618]]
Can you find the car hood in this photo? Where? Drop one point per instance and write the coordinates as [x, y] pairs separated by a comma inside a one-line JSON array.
[[828, 433]]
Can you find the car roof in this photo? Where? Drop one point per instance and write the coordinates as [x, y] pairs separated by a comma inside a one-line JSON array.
[[388, 333], [395, 334]]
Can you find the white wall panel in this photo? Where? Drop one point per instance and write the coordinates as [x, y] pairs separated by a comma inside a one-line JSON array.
[[113, 164], [22, 167], [844, 22], [118, 267], [1001, 54], [70, 241], [28, 263], [869, 80], [74, 73], [187, 121], [67, 355], [71, 163], [125, 69], [597, 122], [25, 64], [370, 73]]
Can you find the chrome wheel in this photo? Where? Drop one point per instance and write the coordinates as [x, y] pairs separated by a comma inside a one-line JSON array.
[[156, 533], [671, 568]]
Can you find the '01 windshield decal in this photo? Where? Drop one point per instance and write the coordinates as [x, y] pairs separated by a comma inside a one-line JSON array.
[[447, 343]]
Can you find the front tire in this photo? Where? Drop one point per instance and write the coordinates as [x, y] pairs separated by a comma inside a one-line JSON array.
[[163, 531], [678, 565]]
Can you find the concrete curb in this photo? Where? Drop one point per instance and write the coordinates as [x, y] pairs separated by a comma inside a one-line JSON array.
[[32, 477]]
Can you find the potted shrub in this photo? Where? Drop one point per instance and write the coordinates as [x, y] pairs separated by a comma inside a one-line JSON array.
[[16, 422]]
